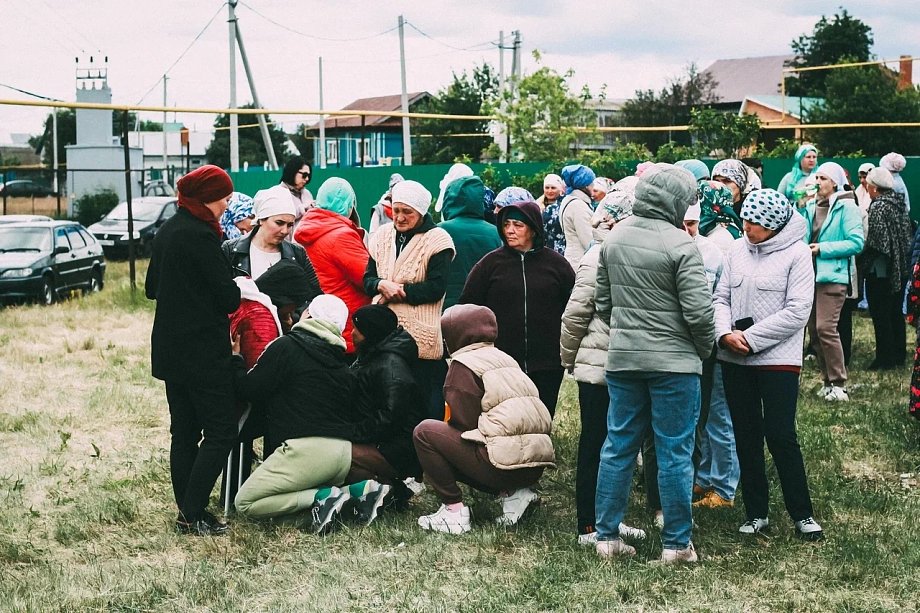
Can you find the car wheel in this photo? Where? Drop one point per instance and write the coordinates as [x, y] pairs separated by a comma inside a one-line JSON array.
[[48, 295], [95, 283]]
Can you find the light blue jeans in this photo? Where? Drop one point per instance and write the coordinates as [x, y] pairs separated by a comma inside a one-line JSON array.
[[671, 404], [719, 464]]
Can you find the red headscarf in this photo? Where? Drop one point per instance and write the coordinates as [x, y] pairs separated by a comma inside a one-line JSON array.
[[202, 186]]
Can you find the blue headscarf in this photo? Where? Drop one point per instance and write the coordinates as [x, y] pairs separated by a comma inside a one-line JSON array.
[[577, 176], [238, 209], [699, 169], [797, 173], [510, 195]]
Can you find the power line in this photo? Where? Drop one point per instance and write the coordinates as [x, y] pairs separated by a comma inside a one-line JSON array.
[[413, 26], [313, 36], [22, 91], [191, 44], [70, 25], [408, 59]]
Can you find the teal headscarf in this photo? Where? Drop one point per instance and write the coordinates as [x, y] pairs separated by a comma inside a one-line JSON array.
[[797, 174], [716, 207], [699, 169], [336, 195]]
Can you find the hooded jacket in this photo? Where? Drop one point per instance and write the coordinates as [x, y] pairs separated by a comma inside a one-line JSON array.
[[575, 217], [840, 239], [527, 292], [304, 385], [473, 236], [390, 398], [335, 246], [773, 282], [651, 282], [512, 423]]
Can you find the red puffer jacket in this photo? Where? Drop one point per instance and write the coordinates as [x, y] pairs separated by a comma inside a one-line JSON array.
[[336, 248], [257, 328]]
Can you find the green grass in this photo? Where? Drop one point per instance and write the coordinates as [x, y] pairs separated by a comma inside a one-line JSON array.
[[86, 511]]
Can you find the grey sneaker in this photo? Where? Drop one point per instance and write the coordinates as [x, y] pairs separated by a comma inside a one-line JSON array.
[[809, 529], [327, 510], [369, 506], [755, 526]]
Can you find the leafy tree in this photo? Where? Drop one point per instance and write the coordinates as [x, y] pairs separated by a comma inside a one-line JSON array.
[[784, 148], [303, 144], [545, 120], [252, 147], [467, 95], [833, 41], [723, 133], [866, 94], [671, 106]]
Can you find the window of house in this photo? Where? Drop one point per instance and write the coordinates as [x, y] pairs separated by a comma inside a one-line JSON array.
[[332, 151]]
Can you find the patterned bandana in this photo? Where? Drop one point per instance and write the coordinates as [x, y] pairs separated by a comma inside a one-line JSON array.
[[716, 207], [615, 207], [733, 170], [767, 208], [238, 209], [512, 194]]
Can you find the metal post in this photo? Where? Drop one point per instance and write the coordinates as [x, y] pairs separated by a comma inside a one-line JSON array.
[[322, 120], [407, 141], [54, 155], [127, 147], [361, 148], [165, 145], [503, 131], [234, 118], [263, 126]]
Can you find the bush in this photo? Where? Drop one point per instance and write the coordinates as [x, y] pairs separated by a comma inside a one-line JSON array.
[[91, 208]]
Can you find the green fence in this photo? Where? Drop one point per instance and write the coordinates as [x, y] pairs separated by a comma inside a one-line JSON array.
[[370, 183]]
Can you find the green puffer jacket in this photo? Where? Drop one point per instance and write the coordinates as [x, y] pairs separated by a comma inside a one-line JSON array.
[[651, 282], [473, 236], [840, 239]]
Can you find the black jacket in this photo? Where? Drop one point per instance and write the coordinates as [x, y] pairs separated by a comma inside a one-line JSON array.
[[194, 290], [237, 253], [390, 398], [305, 388]]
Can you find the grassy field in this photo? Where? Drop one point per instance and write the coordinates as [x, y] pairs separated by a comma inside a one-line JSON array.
[[86, 511]]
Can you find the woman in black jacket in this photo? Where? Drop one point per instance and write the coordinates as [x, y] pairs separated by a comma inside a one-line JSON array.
[[190, 343]]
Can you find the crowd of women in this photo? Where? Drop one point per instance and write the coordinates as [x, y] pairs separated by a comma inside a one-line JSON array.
[[371, 362]]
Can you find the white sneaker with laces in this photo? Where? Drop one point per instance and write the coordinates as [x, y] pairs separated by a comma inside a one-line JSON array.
[[515, 505], [822, 393], [837, 394], [613, 549], [631, 533], [416, 487], [679, 556], [659, 520], [754, 526], [445, 521], [587, 539], [809, 529]]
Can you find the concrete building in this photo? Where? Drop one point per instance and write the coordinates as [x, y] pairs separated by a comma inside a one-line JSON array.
[[152, 145], [97, 161]]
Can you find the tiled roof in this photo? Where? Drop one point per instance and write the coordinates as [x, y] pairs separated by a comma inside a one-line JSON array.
[[753, 76], [380, 103], [794, 104]]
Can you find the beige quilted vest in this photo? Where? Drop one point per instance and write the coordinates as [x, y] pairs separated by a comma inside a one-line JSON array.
[[422, 321], [514, 424]]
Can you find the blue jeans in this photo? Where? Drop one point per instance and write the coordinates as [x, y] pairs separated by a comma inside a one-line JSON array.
[[719, 464], [671, 404]]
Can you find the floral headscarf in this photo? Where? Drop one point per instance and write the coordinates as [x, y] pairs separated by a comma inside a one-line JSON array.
[[603, 184], [238, 208], [716, 204], [511, 195], [614, 208], [733, 170]]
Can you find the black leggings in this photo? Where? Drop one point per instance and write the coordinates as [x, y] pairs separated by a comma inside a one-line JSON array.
[[594, 401]]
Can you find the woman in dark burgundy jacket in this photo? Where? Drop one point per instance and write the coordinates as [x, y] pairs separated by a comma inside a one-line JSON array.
[[527, 287]]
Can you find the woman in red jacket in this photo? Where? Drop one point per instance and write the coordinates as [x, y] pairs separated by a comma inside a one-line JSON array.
[[335, 246]]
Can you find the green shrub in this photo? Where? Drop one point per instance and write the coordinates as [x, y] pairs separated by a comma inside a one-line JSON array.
[[91, 208]]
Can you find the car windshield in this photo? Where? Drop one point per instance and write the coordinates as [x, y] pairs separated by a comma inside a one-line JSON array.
[[143, 211], [24, 239]]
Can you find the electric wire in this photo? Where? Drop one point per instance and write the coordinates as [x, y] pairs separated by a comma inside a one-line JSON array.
[[428, 36], [28, 93], [313, 36]]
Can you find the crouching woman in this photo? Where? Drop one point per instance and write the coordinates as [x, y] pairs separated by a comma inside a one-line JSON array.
[[762, 304], [497, 437]]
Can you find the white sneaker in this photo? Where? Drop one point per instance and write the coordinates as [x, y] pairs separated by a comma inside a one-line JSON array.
[[515, 505], [631, 533], [809, 529], [615, 548], [822, 393], [587, 539], [416, 487], [445, 521], [679, 556], [754, 526], [659, 520], [837, 394]]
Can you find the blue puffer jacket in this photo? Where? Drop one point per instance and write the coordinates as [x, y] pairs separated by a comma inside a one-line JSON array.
[[840, 239]]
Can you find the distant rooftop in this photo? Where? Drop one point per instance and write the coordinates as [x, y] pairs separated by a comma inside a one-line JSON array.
[[795, 106], [379, 103], [752, 76]]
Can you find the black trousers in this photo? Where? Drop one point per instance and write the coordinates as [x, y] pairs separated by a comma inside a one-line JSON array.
[[845, 328], [762, 404], [430, 376], [890, 333], [548, 383], [594, 402], [650, 456], [197, 409]]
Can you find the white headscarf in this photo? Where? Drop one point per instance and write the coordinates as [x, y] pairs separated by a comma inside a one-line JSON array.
[[893, 162], [834, 172], [457, 171], [329, 308]]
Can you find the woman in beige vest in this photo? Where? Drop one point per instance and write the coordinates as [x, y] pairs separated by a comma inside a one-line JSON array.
[[408, 271]]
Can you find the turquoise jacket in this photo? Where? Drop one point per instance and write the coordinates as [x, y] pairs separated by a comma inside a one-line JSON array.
[[840, 240]]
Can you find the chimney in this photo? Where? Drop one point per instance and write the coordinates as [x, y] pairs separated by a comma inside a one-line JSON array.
[[906, 73]]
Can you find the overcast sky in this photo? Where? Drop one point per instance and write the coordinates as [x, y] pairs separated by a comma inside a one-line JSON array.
[[625, 44]]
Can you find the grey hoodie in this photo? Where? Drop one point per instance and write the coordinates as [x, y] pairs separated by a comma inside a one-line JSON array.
[[774, 283], [651, 283]]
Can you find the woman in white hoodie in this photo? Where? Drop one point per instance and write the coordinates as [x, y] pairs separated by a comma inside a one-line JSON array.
[[762, 304]]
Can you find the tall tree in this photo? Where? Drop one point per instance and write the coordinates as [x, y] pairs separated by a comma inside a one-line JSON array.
[[252, 147], [723, 134], [671, 106], [466, 95], [546, 119], [843, 38]]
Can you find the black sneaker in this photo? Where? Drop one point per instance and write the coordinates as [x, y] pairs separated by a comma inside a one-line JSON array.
[[369, 506], [327, 510], [206, 524]]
